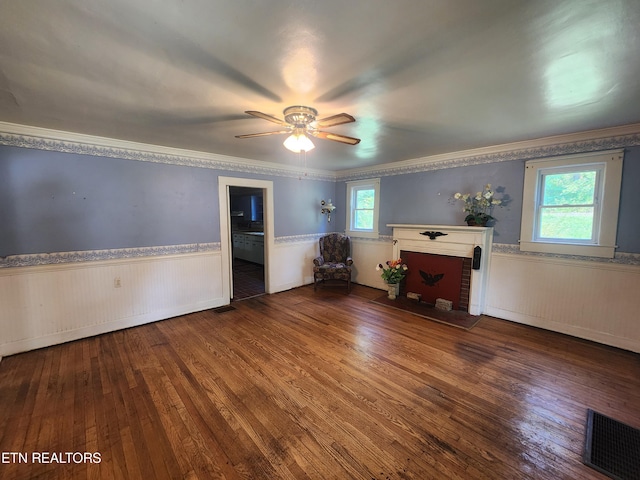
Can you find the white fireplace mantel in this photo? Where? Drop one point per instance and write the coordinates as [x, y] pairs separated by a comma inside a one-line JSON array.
[[455, 240]]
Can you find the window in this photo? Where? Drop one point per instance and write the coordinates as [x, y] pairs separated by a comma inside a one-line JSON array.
[[570, 204], [363, 198]]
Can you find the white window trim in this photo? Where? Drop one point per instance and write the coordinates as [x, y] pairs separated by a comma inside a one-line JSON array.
[[605, 243], [351, 187]]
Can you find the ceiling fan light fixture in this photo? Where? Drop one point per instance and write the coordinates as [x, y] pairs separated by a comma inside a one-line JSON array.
[[300, 123], [298, 142]]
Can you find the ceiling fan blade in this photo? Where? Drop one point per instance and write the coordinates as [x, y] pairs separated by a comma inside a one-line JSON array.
[[263, 134], [338, 119], [264, 116], [335, 137]]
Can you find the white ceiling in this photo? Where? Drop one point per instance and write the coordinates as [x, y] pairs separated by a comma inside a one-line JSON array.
[[421, 77]]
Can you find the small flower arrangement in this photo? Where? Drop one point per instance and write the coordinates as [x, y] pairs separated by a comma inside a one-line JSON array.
[[394, 271], [479, 206]]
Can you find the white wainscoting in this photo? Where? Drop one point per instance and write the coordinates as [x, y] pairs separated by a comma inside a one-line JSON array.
[[591, 300], [51, 304], [366, 255], [292, 263]]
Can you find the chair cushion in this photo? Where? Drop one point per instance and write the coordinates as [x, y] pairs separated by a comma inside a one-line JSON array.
[[330, 267]]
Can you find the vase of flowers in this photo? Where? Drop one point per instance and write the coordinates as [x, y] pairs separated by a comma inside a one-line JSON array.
[[478, 207], [392, 273]]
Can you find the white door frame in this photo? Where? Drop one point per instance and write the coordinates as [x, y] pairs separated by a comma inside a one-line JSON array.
[[225, 230]]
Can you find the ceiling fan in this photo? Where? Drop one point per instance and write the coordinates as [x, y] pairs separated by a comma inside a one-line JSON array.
[[300, 121]]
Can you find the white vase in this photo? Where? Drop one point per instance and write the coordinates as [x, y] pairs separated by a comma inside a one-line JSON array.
[[393, 289]]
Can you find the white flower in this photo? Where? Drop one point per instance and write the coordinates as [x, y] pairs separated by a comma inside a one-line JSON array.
[[479, 203]]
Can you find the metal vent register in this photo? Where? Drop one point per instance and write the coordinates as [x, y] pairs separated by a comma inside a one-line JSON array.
[[612, 447]]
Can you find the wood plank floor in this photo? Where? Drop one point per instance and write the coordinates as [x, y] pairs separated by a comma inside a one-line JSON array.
[[313, 385]]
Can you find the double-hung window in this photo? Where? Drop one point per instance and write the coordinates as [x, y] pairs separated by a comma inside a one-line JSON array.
[[363, 199], [570, 204]]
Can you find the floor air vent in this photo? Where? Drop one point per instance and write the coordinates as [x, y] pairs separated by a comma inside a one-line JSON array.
[[225, 308], [612, 447]]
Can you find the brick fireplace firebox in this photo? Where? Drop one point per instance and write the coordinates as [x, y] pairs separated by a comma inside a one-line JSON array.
[[423, 277], [473, 243]]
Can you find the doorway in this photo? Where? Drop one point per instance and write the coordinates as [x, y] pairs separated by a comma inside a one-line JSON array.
[[246, 224], [253, 232]]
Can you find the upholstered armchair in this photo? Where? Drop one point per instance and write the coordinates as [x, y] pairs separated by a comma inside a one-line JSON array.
[[334, 262]]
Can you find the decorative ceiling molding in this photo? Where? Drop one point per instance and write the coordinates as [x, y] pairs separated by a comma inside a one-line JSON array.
[[589, 141], [24, 136], [54, 140]]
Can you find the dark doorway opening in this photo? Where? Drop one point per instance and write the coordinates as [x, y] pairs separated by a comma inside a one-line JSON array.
[[246, 206]]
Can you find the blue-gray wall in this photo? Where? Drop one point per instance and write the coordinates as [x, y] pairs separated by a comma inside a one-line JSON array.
[[629, 216], [297, 206], [59, 202], [426, 198]]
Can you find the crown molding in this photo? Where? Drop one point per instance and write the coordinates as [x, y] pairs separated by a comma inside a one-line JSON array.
[[25, 136], [581, 142], [38, 138]]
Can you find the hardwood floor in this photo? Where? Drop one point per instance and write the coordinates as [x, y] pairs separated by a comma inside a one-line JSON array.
[[313, 385]]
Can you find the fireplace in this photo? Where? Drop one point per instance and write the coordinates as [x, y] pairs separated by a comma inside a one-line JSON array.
[[438, 276], [469, 245]]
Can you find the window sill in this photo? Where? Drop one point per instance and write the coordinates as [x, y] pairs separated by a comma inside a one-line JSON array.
[[361, 234], [601, 251]]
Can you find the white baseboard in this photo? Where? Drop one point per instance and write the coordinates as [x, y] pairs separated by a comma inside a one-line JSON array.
[[51, 304], [590, 300], [48, 340], [573, 330]]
